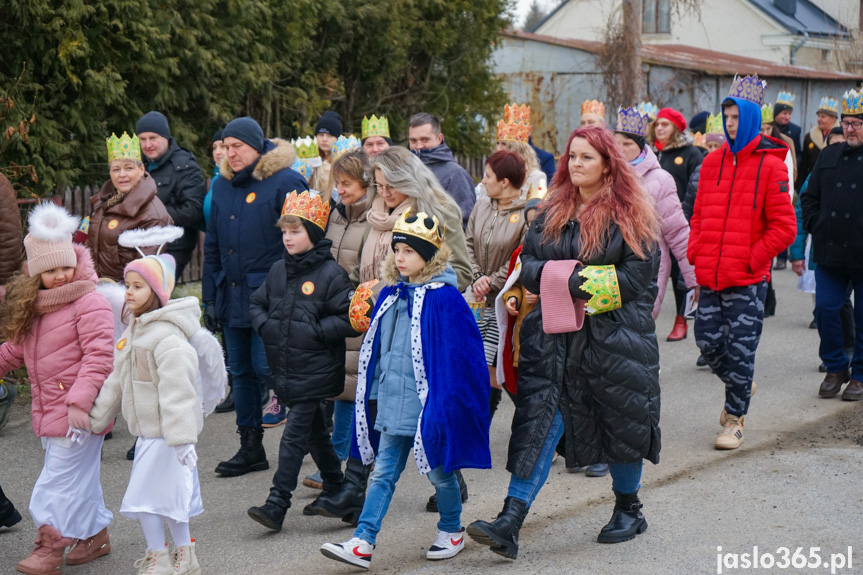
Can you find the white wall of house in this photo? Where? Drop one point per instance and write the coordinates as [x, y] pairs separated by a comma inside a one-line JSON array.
[[846, 12]]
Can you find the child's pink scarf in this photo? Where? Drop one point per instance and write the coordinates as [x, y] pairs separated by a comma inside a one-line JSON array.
[[51, 300], [561, 313]]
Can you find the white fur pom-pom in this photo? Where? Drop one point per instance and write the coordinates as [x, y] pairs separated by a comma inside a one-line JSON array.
[[150, 237], [51, 223]]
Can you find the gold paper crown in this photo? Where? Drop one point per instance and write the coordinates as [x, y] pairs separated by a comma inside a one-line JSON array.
[[537, 192], [852, 103], [307, 148], [714, 124], [308, 207], [375, 126], [515, 126], [786, 99], [123, 148], [698, 140], [767, 114], [422, 226], [593, 107]]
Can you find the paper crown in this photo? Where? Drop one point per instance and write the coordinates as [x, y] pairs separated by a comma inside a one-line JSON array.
[[852, 103], [767, 114], [593, 107], [831, 105], [344, 145], [714, 124], [786, 99], [375, 126], [303, 167], [632, 121], [307, 148], [648, 109], [123, 148], [515, 126], [748, 88], [422, 226], [698, 140], [312, 208], [537, 192]]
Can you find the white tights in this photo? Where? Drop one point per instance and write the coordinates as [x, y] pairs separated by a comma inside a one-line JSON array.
[[154, 531]]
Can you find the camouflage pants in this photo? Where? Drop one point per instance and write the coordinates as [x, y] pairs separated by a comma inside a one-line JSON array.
[[727, 330]]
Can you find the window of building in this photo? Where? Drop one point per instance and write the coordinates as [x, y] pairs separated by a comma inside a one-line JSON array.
[[656, 17]]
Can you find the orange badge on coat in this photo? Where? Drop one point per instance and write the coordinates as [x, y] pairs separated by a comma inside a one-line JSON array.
[[678, 160], [121, 344], [308, 288], [513, 218], [113, 224], [250, 198]]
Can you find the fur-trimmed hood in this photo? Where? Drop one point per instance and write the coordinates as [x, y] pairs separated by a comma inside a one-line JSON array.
[[437, 268], [279, 154]]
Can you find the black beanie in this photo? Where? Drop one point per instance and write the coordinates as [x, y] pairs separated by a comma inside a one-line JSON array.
[[246, 130], [779, 108], [155, 122], [217, 136], [426, 250], [640, 140], [316, 234], [330, 123], [698, 123]]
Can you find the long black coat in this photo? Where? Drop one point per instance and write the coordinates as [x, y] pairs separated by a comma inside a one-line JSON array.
[[301, 313], [603, 378]]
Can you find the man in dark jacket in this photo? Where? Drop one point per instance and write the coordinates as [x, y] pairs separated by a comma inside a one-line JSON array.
[[301, 313], [832, 208], [426, 141], [546, 160], [816, 139], [782, 118], [179, 182], [742, 218], [241, 246]]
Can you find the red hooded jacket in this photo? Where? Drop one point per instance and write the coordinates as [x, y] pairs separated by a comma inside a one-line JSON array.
[[743, 215]]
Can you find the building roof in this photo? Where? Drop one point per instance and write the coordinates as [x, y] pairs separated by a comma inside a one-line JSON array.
[[697, 59], [807, 18]]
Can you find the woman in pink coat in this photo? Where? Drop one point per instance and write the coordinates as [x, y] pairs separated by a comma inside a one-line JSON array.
[[631, 133], [62, 330]]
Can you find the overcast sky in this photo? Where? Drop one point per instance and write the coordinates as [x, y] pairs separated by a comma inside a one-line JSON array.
[[522, 6]]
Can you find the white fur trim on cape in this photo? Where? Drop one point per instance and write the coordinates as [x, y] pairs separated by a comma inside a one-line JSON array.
[[502, 315], [212, 378], [362, 424], [51, 223], [150, 237]]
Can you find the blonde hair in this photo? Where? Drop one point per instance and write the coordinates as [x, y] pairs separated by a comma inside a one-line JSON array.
[[523, 149], [289, 222], [18, 310]]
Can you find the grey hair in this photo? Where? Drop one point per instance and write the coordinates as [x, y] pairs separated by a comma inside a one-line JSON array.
[[405, 172], [424, 118]]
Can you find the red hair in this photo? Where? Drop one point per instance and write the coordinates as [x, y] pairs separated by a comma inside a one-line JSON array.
[[509, 165], [622, 201]]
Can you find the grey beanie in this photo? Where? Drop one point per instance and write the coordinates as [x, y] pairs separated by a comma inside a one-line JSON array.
[[155, 122], [246, 130]]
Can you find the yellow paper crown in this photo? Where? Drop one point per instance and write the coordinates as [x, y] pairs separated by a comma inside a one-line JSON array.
[[515, 126], [852, 103], [593, 107], [698, 140], [308, 207], [375, 126], [422, 226], [123, 148], [537, 192], [714, 124], [767, 114]]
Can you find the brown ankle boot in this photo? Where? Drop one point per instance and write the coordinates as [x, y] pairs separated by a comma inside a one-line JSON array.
[[47, 558], [86, 550], [833, 383]]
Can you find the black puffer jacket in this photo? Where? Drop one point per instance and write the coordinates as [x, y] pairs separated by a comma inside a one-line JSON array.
[[301, 313], [181, 187], [603, 378]]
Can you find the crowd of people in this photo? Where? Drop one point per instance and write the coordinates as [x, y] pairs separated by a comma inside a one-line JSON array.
[[376, 303]]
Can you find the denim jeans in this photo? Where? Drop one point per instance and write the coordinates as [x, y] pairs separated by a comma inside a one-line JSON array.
[[343, 423], [247, 361], [393, 454], [830, 293], [625, 476]]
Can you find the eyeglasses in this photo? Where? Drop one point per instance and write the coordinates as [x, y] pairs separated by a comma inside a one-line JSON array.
[[381, 188], [852, 125]]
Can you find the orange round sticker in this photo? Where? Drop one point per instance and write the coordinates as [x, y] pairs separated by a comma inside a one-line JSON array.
[[113, 224], [308, 288], [811, 145], [678, 160], [121, 344], [513, 218], [250, 198]]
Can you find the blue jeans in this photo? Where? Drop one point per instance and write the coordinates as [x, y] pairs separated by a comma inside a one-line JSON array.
[[343, 423], [393, 453], [625, 476], [830, 293], [249, 372]]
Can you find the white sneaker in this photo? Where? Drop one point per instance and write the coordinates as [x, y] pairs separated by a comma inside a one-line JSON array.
[[354, 552], [446, 545], [155, 563], [184, 560]]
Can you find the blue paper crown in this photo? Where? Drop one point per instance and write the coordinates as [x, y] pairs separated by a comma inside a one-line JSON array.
[[344, 145], [631, 121], [852, 103], [828, 104], [303, 168], [748, 88], [648, 109], [785, 99]]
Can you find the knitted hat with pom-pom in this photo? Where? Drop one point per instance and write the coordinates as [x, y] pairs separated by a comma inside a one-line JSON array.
[[49, 241]]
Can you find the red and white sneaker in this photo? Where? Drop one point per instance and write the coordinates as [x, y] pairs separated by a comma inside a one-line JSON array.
[[354, 552], [446, 545]]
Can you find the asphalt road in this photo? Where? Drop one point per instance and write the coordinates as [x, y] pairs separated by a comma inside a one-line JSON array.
[[795, 482]]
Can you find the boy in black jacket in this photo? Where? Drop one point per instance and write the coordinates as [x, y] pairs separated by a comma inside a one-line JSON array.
[[301, 313]]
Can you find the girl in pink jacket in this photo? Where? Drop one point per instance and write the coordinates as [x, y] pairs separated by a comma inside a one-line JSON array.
[[57, 325]]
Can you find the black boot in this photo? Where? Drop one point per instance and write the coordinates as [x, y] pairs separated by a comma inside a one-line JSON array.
[[250, 457], [345, 503], [9, 516], [431, 506], [627, 520], [228, 404], [502, 533], [272, 513], [130, 455]]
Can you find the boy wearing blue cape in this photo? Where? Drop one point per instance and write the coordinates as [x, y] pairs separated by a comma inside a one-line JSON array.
[[422, 361]]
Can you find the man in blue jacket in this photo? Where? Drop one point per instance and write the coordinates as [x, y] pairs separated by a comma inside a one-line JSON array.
[[242, 244]]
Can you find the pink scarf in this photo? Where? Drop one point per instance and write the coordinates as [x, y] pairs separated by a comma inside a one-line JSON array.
[[51, 300], [377, 246], [561, 313]]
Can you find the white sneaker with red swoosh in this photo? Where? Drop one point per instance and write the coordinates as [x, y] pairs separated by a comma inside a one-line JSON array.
[[354, 552], [446, 545]]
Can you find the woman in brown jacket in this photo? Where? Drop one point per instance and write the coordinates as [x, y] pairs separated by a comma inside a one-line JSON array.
[[127, 201]]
